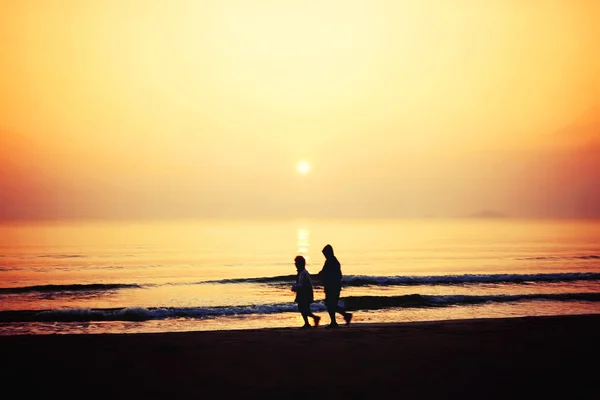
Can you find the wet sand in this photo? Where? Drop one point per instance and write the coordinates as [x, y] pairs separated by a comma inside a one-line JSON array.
[[532, 357]]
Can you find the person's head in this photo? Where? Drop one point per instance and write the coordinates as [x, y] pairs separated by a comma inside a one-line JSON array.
[[328, 251], [300, 263]]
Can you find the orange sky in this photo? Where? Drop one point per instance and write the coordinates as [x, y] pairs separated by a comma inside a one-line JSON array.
[[157, 109]]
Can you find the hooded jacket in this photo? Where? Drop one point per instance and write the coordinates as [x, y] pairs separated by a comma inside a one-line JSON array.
[[331, 274]]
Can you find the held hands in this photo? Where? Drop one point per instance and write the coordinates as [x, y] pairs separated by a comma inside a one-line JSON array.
[[294, 288]]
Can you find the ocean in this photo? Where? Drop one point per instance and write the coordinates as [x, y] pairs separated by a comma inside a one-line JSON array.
[[80, 277]]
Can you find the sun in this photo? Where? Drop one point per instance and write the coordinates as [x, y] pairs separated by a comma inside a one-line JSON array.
[[303, 167]]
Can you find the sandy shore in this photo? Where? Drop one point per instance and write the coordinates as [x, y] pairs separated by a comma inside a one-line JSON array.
[[488, 358]]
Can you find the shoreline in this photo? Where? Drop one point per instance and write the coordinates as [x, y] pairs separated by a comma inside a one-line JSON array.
[[465, 358]]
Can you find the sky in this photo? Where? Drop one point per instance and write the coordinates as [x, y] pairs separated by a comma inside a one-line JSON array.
[[190, 109]]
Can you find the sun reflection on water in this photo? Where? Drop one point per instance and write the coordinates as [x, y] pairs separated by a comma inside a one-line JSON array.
[[303, 241]]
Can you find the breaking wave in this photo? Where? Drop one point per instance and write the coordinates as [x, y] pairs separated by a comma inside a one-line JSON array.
[[351, 303]]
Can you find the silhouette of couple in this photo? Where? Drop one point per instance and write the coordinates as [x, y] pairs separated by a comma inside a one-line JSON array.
[[331, 278]]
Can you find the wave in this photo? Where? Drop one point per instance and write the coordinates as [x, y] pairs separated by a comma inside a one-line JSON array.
[[353, 303], [359, 280], [417, 300], [267, 279], [365, 280], [348, 280], [584, 257], [62, 256], [95, 287], [144, 314]]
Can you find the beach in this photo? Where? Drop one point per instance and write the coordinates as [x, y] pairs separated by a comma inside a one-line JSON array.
[[536, 357]]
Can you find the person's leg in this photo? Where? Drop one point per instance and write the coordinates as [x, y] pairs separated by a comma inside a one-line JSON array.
[[304, 311], [309, 313], [316, 319], [346, 314], [332, 295], [305, 318], [328, 304], [331, 316]]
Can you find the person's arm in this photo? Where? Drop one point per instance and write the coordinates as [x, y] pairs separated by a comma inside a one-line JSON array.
[[301, 281], [323, 271]]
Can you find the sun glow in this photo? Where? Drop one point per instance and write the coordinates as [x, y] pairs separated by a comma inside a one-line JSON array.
[[155, 109], [303, 167]]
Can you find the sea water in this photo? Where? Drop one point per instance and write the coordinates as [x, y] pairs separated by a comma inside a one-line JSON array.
[[162, 276]]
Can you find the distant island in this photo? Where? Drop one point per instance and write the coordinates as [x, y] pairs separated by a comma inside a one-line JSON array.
[[487, 214]]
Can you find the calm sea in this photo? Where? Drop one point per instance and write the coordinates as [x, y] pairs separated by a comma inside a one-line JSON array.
[[129, 277]]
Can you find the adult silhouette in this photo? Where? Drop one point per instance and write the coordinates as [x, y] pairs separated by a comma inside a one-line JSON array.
[[331, 278]]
